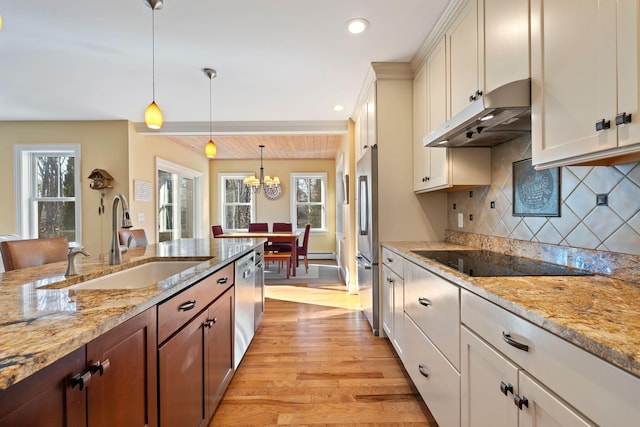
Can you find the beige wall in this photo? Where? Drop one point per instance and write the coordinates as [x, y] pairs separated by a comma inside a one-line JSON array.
[[280, 210], [346, 244], [109, 145], [143, 152], [103, 145]]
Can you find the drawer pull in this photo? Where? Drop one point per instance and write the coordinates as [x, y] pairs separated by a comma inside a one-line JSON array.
[[425, 301], [602, 125], [507, 338], [506, 388], [423, 370], [520, 401], [186, 306], [222, 280], [81, 380], [389, 259], [389, 280], [210, 322], [100, 367], [623, 118]]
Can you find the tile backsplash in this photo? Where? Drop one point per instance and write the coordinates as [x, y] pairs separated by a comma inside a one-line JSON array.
[[582, 224]]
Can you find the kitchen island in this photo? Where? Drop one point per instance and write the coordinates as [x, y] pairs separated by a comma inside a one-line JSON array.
[[43, 319], [571, 342]]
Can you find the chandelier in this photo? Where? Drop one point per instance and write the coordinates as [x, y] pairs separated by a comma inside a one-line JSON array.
[[270, 186]]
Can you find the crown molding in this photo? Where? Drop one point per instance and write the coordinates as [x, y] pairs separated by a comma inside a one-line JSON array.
[[248, 128]]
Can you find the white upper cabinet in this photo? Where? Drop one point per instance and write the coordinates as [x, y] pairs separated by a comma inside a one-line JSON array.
[[488, 46], [584, 67]]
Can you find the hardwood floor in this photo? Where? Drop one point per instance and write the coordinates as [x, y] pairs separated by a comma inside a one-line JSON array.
[[314, 362]]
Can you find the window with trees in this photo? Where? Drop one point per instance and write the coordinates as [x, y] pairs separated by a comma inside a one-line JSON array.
[[308, 200], [237, 207], [48, 191]]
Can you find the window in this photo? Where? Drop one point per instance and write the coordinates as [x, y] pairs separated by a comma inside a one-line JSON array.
[[48, 191], [237, 206], [178, 206], [308, 200]]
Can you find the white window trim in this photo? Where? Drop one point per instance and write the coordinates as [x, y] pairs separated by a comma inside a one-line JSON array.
[[167, 166], [325, 184], [22, 180], [222, 176]]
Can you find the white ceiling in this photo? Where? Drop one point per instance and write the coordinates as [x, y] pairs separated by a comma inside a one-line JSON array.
[[277, 61]]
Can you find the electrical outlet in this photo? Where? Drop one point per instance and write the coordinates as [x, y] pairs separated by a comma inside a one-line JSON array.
[[602, 200], [492, 205], [140, 216], [460, 220]]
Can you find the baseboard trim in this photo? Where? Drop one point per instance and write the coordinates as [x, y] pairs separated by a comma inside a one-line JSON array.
[[322, 255]]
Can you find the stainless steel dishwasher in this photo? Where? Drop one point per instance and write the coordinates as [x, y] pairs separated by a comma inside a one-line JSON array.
[[244, 305]]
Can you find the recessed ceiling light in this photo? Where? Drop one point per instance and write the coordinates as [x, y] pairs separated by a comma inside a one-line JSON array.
[[338, 107], [357, 25]]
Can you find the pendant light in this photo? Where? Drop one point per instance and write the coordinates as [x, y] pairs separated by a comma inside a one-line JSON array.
[[210, 149], [153, 115]]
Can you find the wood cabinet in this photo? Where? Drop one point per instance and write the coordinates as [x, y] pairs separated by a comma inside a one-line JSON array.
[[585, 81], [393, 299], [441, 168], [122, 363], [110, 381], [48, 398], [218, 339]]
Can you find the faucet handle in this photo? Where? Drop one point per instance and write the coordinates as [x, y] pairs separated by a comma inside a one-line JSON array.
[[71, 256]]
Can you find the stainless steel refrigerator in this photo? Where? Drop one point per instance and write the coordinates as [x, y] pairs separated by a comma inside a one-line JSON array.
[[368, 236]]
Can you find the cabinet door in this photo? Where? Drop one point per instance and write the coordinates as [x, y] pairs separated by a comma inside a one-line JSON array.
[[489, 382], [420, 152], [573, 72], [123, 362], [388, 279], [181, 376], [361, 133], [218, 340], [505, 36], [47, 398], [462, 40], [543, 409], [437, 113], [629, 70], [398, 316]]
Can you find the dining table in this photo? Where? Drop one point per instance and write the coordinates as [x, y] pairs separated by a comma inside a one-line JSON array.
[[272, 237]]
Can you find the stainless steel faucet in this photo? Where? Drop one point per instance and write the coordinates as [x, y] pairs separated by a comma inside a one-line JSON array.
[[71, 265], [115, 255]]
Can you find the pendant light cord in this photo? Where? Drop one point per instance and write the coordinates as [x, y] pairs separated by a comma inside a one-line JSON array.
[[153, 52], [210, 107]]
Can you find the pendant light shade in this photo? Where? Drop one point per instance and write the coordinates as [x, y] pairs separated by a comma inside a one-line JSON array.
[[210, 149], [153, 115]]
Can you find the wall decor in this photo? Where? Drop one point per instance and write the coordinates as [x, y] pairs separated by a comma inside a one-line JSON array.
[[143, 190], [535, 192], [345, 184]]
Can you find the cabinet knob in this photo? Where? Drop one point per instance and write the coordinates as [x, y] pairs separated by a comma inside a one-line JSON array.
[[81, 380], [623, 118], [520, 401], [100, 366], [424, 301], [507, 338], [506, 388], [472, 98], [389, 280], [478, 93], [423, 370], [603, 124]]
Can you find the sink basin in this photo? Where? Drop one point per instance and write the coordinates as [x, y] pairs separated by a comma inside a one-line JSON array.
[[137, 277]]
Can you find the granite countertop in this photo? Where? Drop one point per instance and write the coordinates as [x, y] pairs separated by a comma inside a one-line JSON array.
[[43, 320], [597, 313]]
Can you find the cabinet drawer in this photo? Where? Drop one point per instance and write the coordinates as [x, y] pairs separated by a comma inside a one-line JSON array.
[[434, 305], [393, 261], [601, 391], [437, 381], [175, 312]]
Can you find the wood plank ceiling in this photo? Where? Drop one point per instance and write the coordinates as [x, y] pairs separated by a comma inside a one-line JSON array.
[[283, 147]]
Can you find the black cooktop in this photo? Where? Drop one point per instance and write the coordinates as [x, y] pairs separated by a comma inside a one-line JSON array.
[[482, 263]]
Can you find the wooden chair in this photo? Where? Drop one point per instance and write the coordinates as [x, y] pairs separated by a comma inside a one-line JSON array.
[[137, 235], [18, 254], [302, 250], [281, 246], [216, 230]]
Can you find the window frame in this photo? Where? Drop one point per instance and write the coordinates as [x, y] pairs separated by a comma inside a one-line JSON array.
[[294, 203], [222, 199], [25, 182]]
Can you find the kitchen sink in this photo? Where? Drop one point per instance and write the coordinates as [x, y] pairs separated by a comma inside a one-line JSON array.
[[137, 277]]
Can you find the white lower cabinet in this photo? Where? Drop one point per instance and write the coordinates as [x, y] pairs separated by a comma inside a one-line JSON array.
[[393, 299], [497, 393], [435, 378]]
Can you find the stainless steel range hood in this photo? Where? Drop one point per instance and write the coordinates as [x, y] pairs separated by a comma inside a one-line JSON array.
[[496, 117]]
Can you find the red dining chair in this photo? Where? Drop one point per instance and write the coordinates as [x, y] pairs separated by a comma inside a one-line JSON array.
[[281, 246], [216, 230], [302, 250], [258, 227]]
